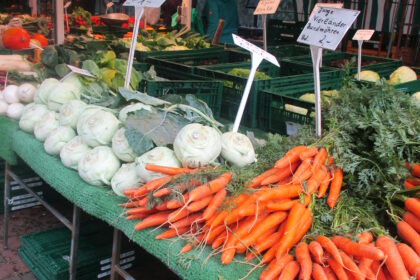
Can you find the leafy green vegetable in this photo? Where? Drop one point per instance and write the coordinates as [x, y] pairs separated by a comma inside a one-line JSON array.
[[91, 66], [61, 70], [49, 56], [137, 141]]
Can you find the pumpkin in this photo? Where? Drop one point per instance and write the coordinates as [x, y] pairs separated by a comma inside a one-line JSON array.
[[16, 38], [41, 38]]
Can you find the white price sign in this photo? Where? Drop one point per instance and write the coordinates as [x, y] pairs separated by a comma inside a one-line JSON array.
[[80, 71], [363, 34], [266, 7], [327, 27], [144, 3], [254, 49]]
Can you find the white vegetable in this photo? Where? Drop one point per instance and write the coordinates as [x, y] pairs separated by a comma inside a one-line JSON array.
[[73, 151], [70, 113], [44, 90], [3, 107], [132, 108], [26, 93], [97, 127], [57, 139], [32, 113], [61, 94], [197, 144], [10, 94], [159, 156], [121, 148], [237, 149], [1, 96], [15, 110], [98, 166], [125, 178], [47, 124]]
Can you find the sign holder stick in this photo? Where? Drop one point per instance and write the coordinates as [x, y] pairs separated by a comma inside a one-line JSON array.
[[359, 58], [264, 22], [316, 53]]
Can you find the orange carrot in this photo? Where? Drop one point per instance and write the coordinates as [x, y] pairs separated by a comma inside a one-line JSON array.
[[219, 240], [316, 251], [172, 233], [274, 271], [304, 226], [309, 153], [406, 232], [304, 260], [330, 247], [280, 192], [364, 267], [266, 234], [413, 205], [337, 268], [153, 220], [356, 249], [316, 179], [330, 160], [178, 188], [280, 174], [318, 273], [214, 204], [410, 258], [303, 177], [324, 185], [414, 170], [351, 266], [329, 273], [186, 249], [365, 237], [410, 183], [319, 159], [167, 170], [270, 254], [138, 210], [137, 216], [290, 271], [257, 180], [211, 187], [267, 269], [291, 156], [393, 260], [335, 187], [305, 165], [281, 205], [156, 183], [412, 220], [200, 204], [178, 214], [267, 243], [213, 233], [130, 204], [187, 221], [161, 207], [176, 202], [129, 192]]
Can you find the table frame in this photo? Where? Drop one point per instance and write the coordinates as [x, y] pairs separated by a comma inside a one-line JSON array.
[[116, 269]]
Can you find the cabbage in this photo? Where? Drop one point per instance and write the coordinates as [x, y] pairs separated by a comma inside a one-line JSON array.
[[61, 94], [368, 76], [73, 151], [57, 139], [125, 178], [42, 93], [32, 113], [70, 112], [403, 74], [159, 156], [47, 124], [237, 149], [98, 166], [3, 107], [197, 144], [97, 126], [10, 94], [308, 97], [15, 110], [121, 148], [132, 108], [26, 92]]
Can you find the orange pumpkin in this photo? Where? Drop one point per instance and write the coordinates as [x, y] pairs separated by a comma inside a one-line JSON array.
[[16, 38], [41, 38]]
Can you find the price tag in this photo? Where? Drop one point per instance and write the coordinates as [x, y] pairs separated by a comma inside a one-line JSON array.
[[327, 5], [144, 3], [266, 7], [255, 50], [363, 34], [67, 5], [109, 5], [327, 27], [80, 71]]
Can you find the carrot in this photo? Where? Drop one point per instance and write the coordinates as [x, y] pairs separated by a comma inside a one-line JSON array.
[[365, 237], [266, 234], [316, 179], [186, 249], [214, 204], [270, 254], [234, 214], [290, 271], [143, 202], [330, 247], [351, 266], [200, 204], [187, 221], [406, 232], [305, 165], [304, 260], [358, 250], [211, 187], [324, 185], [291, 156], [280, 175], [410, 183], [303, 177], [219, 240], [131, 204], [213, 233], [163, 206], [137, 216], [364, 267], [178, 214], [292, 224], [267, 243], [316, 251], [167, 170], [413, 205], [172, 233], [138, 210], [267, 269], [337, 268], [128, 192], [269, 222], [393, 260], [156, 183], [309, 153], [252, 209], [414, 170], [280, 192], [330, 160], [329, 273], [378, 271], [176, 202], [281, 205], [410, 258], [318, 273], [319, 159], [274, 271], [412, 220], [153, 220], [161, 192], [178, 188], [257, 180], [335, 187], [304, 226]]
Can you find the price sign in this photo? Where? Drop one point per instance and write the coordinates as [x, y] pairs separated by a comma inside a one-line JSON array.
[[144, 3], [326, 5], [67, 5], [255, 50], [363, 34], [266, 7], [80, 71], [327, 27]]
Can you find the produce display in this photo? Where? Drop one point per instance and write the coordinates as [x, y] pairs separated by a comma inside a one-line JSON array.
[[401, 75]]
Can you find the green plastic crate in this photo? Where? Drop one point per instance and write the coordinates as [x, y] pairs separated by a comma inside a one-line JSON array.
[[288, 73], [283, 31], [179, 83], [273, 115], [280, 51]]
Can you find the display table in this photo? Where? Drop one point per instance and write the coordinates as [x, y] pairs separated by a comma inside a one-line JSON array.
[[7, 128], [103, 203]]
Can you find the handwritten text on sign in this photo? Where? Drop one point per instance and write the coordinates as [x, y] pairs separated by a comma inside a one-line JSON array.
[[327, 27], [267, 7], [254, 49], [144, 3], [363, 34], [326, 5]]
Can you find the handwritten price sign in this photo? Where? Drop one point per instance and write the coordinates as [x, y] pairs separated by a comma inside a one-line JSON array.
[[266, 7], [363, 34], [144, 3]]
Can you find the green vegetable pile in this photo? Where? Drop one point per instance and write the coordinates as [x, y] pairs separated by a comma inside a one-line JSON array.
[[244, 73]]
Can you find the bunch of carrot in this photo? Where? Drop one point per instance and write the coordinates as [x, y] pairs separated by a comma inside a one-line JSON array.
[[414, 181]]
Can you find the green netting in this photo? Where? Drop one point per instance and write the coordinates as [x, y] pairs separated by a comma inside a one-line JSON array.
[[103, 204], [7, 128]]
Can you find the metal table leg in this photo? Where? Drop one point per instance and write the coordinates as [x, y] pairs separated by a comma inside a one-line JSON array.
[[6, 205], [74, 242], [116, 270]]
